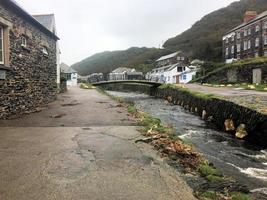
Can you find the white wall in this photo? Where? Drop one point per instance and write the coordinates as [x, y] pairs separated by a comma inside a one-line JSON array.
[[74, 80], [186, 77]]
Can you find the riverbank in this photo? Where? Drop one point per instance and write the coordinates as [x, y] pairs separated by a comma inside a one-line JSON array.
[[225, 113], [206, 181]]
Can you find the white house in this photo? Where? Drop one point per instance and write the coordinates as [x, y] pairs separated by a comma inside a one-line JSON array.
[[188, 74], [121, 73], [173, 74], [180, 74], [70, 74]]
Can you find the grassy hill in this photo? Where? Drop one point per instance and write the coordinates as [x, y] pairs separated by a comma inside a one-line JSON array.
[[105, 62], [203, 39]]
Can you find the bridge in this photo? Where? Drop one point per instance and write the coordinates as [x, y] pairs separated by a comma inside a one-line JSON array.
[[154, 84]]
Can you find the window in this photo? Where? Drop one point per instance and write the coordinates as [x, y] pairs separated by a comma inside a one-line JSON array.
[[238, 36], [1, 45], [23, 41], [249, 44], [256, 54], [238, 48], [245, 45], [184, 77], [265, 39], [226, 51], [257, 42], [68, 77], [245, 32], [233, 38], [44, 50], [257, 29], [233, 50], [249, 31], [179, 69], [226, 41]]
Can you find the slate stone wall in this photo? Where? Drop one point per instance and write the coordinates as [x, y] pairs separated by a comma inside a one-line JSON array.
[[242, 74], [31, 77], [217, 110]]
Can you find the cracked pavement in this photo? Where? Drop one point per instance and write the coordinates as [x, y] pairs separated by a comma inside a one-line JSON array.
[[82, 147]]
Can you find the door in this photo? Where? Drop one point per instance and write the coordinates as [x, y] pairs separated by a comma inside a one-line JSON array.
[[257, 76], [177, 80]]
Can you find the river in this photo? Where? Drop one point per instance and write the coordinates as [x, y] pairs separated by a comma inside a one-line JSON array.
[[235, 158]]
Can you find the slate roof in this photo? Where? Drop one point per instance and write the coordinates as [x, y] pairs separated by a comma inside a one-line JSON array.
[[47, 21], [65, 69], [23, 13], [167, 56], [122, 70], [260, 16]]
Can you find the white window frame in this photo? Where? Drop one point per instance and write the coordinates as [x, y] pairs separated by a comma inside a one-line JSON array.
[[238, 48], [233, 38], [238, 35], [2, 44], [44, 50], [245, 45], [245, 32], [233, 49], [23, 41], [227, 51], [257, 42], [257, 29], [249, 31], [249, 44]]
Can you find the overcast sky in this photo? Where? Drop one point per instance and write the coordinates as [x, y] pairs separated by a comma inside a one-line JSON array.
[[86, 27]]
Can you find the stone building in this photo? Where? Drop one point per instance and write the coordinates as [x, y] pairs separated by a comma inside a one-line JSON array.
[[28, 62], [49, 21], [247, 40]]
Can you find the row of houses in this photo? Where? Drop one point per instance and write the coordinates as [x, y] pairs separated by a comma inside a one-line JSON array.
[[173, 69], [247, 40]]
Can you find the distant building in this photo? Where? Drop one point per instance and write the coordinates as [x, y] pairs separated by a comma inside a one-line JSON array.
[[28, 57], [69, 74], [96, 77], [49, 22], [173, 69], [123, 73], [247, 40]]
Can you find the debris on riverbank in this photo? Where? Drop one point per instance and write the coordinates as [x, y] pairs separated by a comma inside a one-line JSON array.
[[206, 181]]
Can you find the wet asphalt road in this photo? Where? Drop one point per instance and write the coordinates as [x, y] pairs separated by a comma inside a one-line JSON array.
[[82, 147]]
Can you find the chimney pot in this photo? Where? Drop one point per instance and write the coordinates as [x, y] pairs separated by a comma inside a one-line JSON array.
[[250, 15]]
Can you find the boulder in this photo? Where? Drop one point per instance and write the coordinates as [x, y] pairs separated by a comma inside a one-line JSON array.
[[229, 125], [241, 132]]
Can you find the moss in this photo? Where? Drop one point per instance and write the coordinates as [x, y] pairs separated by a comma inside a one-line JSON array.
[[206, 170], [240, 196], [87, 86], [209, 195], [215, 179], [199, 95], [131, 109]]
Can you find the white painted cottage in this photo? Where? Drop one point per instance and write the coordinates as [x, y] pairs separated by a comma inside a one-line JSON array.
[[70, 74]]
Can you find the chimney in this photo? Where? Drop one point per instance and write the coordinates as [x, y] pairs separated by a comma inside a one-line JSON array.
[[250, 15]]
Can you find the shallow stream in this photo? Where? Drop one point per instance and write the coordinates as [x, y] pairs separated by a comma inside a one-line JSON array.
[[238, 159]]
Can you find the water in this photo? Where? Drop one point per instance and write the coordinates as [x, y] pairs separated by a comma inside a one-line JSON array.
[[238, 159]]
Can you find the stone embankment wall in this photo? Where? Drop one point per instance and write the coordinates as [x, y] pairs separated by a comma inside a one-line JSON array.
[[236, 74], [222, 114], [31, 74]]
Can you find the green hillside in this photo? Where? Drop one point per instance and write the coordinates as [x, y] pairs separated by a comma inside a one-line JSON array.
[[203, 39], [105, 62]]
